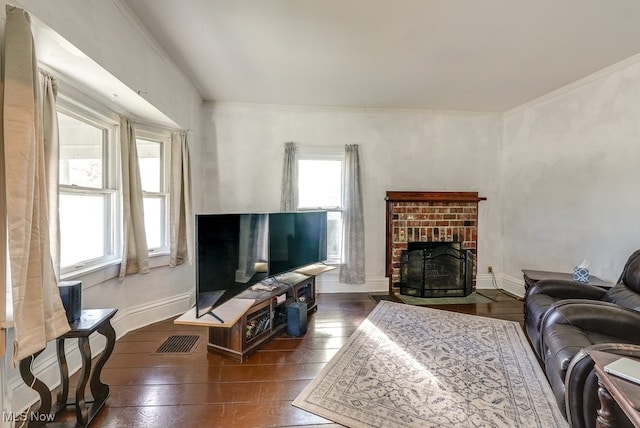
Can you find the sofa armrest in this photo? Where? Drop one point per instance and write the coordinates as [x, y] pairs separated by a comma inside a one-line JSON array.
[[581, 393], [595, 316], [563, 289]]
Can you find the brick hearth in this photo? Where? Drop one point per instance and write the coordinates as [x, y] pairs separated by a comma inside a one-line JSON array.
[[429, 217]]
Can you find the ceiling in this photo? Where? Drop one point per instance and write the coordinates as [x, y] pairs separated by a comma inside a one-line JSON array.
[[467, 55]]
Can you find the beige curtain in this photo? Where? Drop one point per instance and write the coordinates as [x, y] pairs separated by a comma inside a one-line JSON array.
[[180, 215], [135, 254], [49, 87], [352, 269], [289, 189], [37, 309]]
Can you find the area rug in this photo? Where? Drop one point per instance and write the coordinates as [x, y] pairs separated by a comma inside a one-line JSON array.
[[409, 366]]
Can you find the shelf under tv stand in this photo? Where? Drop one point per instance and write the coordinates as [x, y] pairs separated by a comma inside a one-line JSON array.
[[249, 332]]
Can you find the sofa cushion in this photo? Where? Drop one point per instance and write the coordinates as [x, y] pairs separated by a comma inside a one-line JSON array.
[[624, 296], [631, 274], [535, 307]]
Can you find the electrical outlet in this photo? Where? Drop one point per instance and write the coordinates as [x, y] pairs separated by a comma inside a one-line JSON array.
[[490, 269]]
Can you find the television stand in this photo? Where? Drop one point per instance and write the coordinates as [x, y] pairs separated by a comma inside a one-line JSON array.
[[265, 318]]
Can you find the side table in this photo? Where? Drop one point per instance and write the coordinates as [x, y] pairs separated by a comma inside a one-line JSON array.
[[91, 320], [532, 276], [613, 389]]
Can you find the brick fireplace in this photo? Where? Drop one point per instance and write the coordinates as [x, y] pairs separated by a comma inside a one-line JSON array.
[[429, 217]]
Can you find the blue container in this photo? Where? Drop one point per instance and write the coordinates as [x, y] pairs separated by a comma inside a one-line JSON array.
[[297, 319]]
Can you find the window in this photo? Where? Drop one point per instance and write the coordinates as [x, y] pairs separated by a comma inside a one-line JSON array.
[[90, 221], [152, 159], [320, 187], [88, 191]]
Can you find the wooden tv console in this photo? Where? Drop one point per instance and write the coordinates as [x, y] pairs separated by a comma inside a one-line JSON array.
[[265, 318]]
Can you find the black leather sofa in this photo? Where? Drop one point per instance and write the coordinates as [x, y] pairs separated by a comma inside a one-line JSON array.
[[563, 318]]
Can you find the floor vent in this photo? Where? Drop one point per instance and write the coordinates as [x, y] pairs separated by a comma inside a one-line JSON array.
[[178, 344]]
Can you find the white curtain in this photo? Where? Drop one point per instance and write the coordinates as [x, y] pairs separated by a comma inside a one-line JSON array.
[[352, 269], [37, 308], [49, 87], [180, 216], [289, 190], [135, 254]]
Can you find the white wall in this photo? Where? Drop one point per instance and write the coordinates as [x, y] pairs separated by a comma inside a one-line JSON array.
[[399, 150], [103, 31], [571, 176]]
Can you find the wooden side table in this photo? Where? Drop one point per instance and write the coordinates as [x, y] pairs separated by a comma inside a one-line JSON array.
[[613, 389], [91, 320], [532, 276]]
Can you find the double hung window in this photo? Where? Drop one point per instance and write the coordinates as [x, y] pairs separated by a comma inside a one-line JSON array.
[[153, 163], [88, 189], [320, 177]]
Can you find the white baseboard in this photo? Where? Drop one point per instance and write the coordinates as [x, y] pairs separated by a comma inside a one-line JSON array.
[[513, 285], [330, 283], [46, 367], [486, 281], [500, 281], [142, 315], [505, 282]]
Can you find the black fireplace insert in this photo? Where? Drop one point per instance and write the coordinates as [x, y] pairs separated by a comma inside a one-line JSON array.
[[436, 269]]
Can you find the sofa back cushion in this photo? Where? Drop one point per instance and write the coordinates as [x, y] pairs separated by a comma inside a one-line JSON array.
[[624, 296], [631, 274]]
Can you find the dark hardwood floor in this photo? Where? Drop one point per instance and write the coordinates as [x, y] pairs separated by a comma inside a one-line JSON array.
[[204, 390]]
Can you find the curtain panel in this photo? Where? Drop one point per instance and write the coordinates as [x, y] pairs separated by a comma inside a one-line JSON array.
[[181, 240], [52, 164], [135, 253], [352, 269], [289, 189], [37, 308]]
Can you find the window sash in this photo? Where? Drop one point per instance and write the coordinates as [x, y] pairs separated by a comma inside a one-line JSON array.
[[163, 223], [109, 235]]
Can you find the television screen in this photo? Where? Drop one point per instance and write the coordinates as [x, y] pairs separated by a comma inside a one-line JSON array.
[[231, 255], [296, 239]]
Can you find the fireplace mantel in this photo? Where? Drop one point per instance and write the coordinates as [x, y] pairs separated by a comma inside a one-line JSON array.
[[434, 197], [428, 216]]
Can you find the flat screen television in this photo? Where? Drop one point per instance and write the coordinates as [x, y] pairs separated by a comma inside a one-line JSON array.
[[296, 239], [231, 255]]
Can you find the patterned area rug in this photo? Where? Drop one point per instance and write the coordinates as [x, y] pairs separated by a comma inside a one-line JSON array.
[[408, 366]]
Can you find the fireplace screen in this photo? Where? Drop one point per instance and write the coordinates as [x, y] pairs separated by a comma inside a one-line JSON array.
[[440, 270]]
